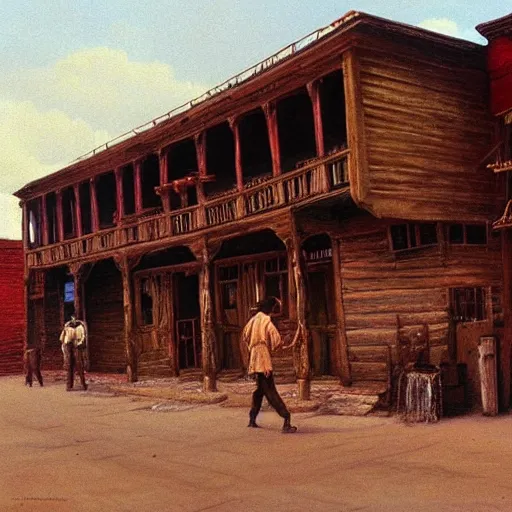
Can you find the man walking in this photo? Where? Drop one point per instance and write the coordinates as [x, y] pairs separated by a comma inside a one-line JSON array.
[[74, 343], [260, 337]]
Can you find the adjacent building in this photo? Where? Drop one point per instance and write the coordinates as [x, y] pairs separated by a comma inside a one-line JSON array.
[[12, 312], [345, 174]]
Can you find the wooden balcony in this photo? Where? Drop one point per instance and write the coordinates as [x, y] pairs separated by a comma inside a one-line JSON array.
[[314, 180]]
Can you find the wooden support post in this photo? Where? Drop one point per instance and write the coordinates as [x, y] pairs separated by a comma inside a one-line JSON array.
[[314, 94], [234, 124], [137, 176], [506, 340], [78, 212], [119, 193], [95, 214], [200, 143], [299, 293], [163, 159], [208, 338], [60, 216], [125, 265], [270, 111], [44, 222], [341, 334]]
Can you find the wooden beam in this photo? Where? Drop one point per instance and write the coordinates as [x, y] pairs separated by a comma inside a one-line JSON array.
[[44, 221], [95, 214], [163, 162], [125, 265], [270, 111], [60, 215], [314, 94], [118, 173], [78, 211], [137, 176], [208, 338], [234, 124], [341, 333]]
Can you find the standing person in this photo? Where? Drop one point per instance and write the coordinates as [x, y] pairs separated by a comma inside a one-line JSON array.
[[74, 343], [260, 337]]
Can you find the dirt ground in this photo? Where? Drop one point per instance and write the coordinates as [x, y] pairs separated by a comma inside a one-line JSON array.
[[92, 451]]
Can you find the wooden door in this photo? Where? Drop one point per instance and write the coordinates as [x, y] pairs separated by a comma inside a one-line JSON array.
[[321, 321]]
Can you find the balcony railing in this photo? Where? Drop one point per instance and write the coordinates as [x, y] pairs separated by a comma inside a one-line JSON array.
[[312, 180]]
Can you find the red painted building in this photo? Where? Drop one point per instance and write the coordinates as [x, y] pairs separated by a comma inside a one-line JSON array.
[[12, 310]]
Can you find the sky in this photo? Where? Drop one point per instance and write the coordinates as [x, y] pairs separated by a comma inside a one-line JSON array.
[[77, 73]]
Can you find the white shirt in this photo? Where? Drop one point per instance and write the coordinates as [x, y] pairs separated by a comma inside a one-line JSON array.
[[261, 338]]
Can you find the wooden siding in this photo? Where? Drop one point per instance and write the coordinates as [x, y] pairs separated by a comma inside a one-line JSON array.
[[105, 318], [426, 127], [379, 285], [12, 312]]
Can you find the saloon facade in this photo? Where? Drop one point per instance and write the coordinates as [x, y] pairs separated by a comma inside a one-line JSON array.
[[344, 175]]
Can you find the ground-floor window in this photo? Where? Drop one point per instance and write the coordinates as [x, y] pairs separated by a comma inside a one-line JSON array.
[[468, 304]]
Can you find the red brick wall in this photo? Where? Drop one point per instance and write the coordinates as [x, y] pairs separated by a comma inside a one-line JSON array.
[[12, 310]]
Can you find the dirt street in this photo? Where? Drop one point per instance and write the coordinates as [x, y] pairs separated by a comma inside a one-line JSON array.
[[81, 451]]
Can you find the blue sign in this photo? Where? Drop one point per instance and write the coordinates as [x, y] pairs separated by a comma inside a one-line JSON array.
[[69, 291]]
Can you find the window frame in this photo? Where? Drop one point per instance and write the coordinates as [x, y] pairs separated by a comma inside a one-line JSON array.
[[414, 227], [482, 306], [465, 226]]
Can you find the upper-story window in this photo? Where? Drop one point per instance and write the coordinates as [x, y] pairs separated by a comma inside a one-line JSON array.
[[412, 236], [467, 234]]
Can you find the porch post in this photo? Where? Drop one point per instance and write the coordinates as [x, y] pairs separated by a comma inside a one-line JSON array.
[[60, 218], [163, 158], [314, 94], [95, 218], [298, 293], [234, 125], [200, 144], [125, 265], [270, 111], [208, 338], [137, 175], [118, 173], [341, 333], [44, 221], [78, 212]]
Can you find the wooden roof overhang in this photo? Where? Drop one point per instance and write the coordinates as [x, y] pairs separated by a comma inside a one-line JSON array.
[[275, 81]]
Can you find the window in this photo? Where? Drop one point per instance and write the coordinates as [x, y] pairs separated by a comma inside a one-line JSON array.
[[410, 236], [467, 234], [228, 282], [146, 302], [468, 304], [275, 272]]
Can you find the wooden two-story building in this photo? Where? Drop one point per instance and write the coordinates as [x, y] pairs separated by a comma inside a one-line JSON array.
[[343, 174]]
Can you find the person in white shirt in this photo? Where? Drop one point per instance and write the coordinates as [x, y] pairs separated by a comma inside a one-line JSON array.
[[260, 338], [74, 343]]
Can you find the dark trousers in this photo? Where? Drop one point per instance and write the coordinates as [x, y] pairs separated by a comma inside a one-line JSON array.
[[74, 358], [33, 365], [267, 388]]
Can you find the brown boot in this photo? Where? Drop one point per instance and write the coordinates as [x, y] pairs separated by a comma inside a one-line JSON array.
[[288, 428]]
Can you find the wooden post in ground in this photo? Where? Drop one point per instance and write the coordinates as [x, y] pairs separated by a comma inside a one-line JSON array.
[[300, 340], [125, 265], [208, 339]]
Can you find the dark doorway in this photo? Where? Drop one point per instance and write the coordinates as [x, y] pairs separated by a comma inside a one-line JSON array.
[[321, 318], [187, 320]]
